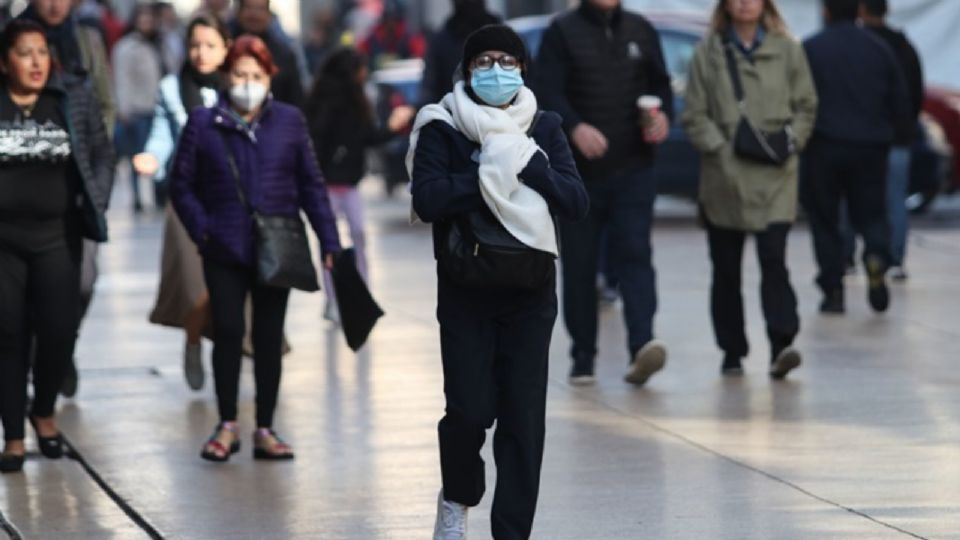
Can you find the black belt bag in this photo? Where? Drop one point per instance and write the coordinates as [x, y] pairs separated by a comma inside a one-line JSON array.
[[478, 252], [281, 248], [749, 142]]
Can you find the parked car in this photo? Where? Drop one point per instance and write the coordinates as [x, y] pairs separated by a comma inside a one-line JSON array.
[[678, 163], [941, 109]]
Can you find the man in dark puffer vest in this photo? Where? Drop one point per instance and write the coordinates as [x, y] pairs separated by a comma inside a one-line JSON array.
[[594, 64]]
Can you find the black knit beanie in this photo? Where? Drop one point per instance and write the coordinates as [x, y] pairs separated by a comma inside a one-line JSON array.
[[494, 37]]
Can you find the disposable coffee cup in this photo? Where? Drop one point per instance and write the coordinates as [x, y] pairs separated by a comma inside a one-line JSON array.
[[648, 106]]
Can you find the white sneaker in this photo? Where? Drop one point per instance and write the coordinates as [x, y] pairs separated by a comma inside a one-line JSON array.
[[898, 273], [193, 366], [648, 360], [451, 520]]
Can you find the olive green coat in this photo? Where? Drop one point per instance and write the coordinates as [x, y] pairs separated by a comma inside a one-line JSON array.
[[735, 193]]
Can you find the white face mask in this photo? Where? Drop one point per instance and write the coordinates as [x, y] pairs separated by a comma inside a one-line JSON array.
[[248, 96]]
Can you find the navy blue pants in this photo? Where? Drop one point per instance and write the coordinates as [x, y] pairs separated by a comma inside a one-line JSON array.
[[623, 205], [832, 174], [495, 347]]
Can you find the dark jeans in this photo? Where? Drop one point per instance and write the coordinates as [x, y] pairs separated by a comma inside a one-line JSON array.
[[39, 296], [622, 204], [228, 286], [495, 348], [833, 172], [777, 297]]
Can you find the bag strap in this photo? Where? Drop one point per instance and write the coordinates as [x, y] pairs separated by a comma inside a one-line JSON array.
[[235, 171], [734, 73], [533, 123]]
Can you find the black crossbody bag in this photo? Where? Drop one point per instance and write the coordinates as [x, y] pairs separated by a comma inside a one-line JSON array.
[[478, 252], [281, 249], [749, 142]]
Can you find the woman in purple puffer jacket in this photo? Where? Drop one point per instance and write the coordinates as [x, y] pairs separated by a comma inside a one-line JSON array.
[[280, 176]]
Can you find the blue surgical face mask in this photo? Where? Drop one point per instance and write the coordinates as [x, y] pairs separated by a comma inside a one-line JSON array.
[[496, 86]]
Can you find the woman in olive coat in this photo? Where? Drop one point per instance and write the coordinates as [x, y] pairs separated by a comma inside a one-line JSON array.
[[740, 197]]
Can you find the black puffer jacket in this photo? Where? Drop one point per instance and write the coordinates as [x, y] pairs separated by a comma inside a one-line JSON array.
[[92, 154], [591, 68]]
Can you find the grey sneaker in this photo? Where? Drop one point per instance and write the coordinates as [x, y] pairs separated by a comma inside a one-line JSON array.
[[648, 360], [451, 520], [331, 313], [193, 366], [788, 360]]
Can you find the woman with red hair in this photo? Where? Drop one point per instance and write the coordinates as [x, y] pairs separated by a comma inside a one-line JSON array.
[[249, 154]]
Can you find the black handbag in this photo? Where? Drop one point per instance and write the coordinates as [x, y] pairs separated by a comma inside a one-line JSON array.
[[359, 311], [478, 252], [749, 142], [281, 249]]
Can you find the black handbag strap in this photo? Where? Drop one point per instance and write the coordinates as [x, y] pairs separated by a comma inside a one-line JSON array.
[[533, 123], [235, 171], [734, 73]]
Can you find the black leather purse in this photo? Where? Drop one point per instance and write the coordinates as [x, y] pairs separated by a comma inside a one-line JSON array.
[[281, 248], [477, 251], [749, 142]]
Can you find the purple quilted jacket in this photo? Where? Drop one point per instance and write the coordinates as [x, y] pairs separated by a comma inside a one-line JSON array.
[[278, 170]]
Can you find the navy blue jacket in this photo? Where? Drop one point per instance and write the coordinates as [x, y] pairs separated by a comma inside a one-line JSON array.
[[861, 89], [277, 167], [446, 179], [591, 68]]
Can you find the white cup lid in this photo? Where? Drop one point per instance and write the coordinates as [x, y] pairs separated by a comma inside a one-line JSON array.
[[649, 102]]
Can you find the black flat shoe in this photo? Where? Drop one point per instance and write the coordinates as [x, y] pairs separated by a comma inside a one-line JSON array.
[[50, 447], [732, 366], [11, 463]]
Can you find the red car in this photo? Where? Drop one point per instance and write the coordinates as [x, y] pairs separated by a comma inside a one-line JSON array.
[[944, 106]]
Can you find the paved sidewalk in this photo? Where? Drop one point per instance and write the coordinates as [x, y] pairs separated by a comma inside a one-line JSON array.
[[863, 442]]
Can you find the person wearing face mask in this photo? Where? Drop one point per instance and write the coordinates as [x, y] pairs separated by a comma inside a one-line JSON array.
[[56, 172], [485, 154], [249, 153], [595, 62], [444, 47], [138, 68], [182, 301]]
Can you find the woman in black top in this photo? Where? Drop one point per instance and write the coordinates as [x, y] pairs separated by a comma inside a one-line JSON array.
[[56, 171], [342, 126]]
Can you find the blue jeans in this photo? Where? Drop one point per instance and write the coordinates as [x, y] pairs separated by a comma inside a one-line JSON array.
[[623, 206], [898, 186]]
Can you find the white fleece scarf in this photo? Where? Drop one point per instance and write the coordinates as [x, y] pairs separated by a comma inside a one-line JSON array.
[[505, 150]]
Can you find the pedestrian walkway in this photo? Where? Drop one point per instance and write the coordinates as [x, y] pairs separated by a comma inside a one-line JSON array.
[[863, 442]]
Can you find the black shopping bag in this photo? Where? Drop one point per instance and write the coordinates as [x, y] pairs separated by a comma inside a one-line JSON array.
[[358, 310]]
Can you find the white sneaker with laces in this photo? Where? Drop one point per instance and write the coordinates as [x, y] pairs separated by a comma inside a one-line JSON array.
[[451, 520]]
